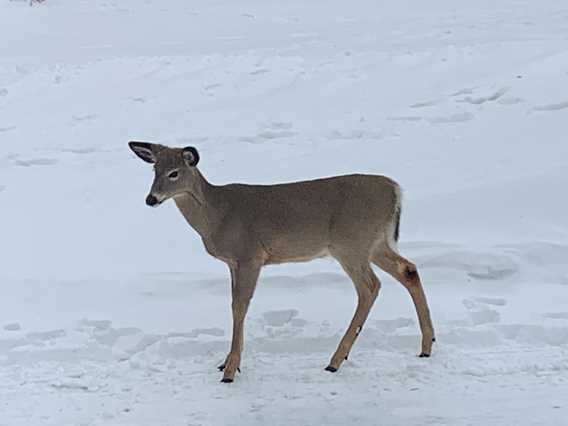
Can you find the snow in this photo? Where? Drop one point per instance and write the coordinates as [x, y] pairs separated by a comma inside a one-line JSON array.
[[112, 313]]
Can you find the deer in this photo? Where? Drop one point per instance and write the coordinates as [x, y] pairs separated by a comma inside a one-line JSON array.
[[353, 218]]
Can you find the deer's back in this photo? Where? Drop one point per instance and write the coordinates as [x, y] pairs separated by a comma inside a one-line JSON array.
[[300, 220]]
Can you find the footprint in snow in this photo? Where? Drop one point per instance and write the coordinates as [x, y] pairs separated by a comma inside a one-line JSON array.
[[196, 332], [552, 107], [13, 326], [465, 91], [390, 326], [36, 162], [7, 129], [272, 131], [79, 119], [424, 104], [479, 313], [510, 100], [408, 118], [279, 318], [556, 315], [454, 118], [96, 324], [259, 71], [46, 335], [79, 151], [483, 99], [491, 301], [212, 86]]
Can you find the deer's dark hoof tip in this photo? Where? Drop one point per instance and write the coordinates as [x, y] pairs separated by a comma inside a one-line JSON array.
[[433, 339], [424, 355], [331, 369], [223, 380]]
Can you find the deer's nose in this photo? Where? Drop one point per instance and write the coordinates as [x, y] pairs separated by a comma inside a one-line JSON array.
[[151, 200]]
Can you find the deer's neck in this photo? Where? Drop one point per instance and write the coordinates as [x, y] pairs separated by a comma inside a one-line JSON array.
[[199, 206]]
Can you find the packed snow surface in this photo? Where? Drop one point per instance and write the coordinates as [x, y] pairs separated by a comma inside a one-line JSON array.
[[113, 314]]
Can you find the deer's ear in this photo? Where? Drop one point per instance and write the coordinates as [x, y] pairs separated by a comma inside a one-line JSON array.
[[144, 150], [191, 156]]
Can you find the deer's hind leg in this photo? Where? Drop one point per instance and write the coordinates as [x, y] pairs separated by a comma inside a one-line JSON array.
[[406, 273], [367, 286]]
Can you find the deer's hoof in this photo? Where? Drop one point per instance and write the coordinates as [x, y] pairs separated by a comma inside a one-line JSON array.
[[424, 355], [331, 369], [223, 380]]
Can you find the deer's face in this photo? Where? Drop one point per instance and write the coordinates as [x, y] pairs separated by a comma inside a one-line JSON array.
[[174, 169]]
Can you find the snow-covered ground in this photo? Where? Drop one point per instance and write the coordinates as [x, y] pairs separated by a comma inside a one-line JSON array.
[[112, 313]]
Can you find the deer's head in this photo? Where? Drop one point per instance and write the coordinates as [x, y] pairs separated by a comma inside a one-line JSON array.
[[175, 170]]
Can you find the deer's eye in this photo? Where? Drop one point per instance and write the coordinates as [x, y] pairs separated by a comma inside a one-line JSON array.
[[173, 175]]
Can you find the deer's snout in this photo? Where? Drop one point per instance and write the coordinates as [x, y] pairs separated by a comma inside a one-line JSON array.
[[152, 201]]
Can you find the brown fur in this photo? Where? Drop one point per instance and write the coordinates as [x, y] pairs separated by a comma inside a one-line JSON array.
[[352, 218]]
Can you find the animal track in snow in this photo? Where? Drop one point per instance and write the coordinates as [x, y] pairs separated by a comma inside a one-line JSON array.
[[14, 326], [259, 71], [459, 117], [273, 130], [79, 119], [46, 335], [390, 326], [410, 118], [479, 313], [552, 107], [556, 315], [491, 301], [212, 86], [280, 317], [483, 99], [213, 332], [465, 91], [96, 324], [7, 129], [424, 104], [79, 151], [354, 135], [510, 100], [36, 162]]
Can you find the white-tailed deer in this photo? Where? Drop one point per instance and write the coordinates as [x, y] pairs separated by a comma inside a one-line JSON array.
[[354, 219]]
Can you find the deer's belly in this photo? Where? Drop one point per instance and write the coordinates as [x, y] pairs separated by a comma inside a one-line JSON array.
[[294, 251]]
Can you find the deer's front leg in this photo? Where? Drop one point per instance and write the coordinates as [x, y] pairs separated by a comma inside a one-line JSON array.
[[244, 277]]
